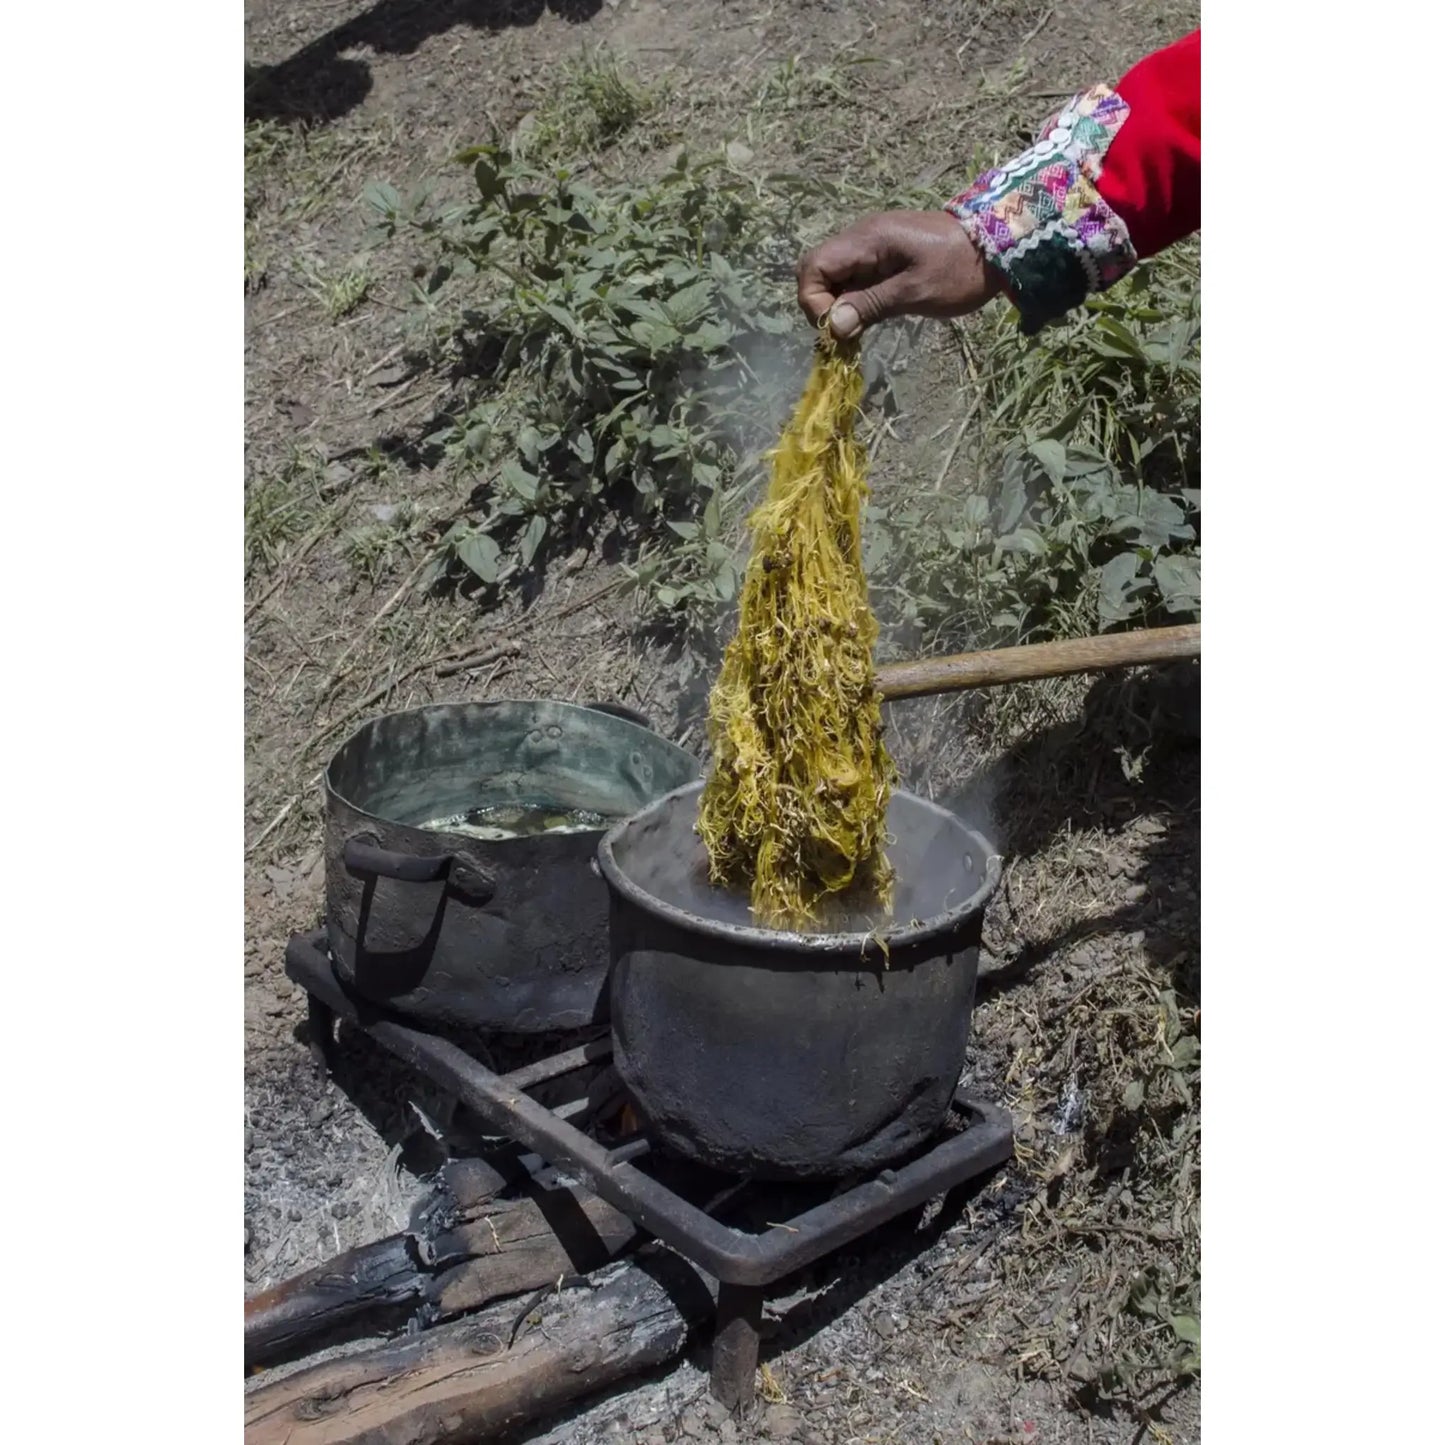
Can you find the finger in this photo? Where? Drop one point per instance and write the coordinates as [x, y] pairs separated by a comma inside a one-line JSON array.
[[815, 289], [814, 292], [851, 258], [855, 310]]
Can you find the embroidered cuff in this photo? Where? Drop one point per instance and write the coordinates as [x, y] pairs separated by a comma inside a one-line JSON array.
[[1041, 220]]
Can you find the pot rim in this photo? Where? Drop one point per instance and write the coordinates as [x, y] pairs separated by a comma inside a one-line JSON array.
[[331, 791], [858, 944]]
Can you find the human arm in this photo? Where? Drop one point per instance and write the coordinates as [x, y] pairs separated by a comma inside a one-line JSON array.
[[1113, 179]]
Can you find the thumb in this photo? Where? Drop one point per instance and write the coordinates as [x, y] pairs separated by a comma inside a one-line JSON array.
[[857, 309]]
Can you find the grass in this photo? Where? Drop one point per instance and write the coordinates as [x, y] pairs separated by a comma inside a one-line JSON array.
[[294, 175], [1089, 1014], [280, 507], [338, 292], [798, 84], [594, 103], [299, 172], [374, 550]]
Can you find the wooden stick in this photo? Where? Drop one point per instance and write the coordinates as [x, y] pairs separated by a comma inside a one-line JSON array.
[[468, 1381], [931, 675], [479, 659]]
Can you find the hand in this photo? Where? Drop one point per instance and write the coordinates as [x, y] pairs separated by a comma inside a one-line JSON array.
[[895, 263]]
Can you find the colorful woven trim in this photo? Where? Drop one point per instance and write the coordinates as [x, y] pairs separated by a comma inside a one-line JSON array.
[[1041, 220]]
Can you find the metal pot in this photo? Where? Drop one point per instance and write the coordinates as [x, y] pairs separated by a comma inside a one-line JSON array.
[[507, 935], [790, 1055]]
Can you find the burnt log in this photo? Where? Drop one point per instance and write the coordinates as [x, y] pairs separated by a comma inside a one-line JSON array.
[[509, 1246], [478, 1377], [363, 1291], [465, 1247]]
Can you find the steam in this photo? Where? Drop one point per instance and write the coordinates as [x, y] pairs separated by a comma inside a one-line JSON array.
[[930, 738], [939, 758]]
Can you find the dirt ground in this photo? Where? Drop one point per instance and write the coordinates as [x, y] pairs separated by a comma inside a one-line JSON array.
[[1010, 1317]]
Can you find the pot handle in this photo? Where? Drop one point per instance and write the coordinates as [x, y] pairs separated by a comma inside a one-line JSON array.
[[627, 714], [364, 854]]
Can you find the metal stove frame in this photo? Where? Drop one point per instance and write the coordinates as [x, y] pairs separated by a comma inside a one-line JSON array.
[[743, 1263]]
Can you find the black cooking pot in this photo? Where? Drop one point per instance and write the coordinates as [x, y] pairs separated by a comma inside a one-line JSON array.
[[508, 935], [792, 1055]]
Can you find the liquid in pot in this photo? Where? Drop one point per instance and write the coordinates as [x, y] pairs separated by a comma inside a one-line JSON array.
[[498, 821]]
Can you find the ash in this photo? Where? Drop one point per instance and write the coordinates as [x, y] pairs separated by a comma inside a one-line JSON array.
[[326, 1172]]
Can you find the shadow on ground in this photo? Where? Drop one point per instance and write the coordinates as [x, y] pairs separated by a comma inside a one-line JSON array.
[[1076, 774], [805, 1304], [321, 83]]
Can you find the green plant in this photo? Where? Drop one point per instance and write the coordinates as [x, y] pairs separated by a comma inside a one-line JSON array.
[[1089, 517], [607, 337], [607, 333]]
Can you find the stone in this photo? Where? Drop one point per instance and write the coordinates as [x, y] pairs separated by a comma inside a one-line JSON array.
[[282, 880], [782, 1422]]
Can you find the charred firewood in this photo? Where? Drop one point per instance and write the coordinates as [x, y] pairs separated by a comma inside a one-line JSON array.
[[475, 1378], [466, 1246], [363, 1291]]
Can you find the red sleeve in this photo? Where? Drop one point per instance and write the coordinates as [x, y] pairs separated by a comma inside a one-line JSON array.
[[1150, 175]]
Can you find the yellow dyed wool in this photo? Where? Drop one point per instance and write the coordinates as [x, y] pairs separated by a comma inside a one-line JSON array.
[[794, 808]]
